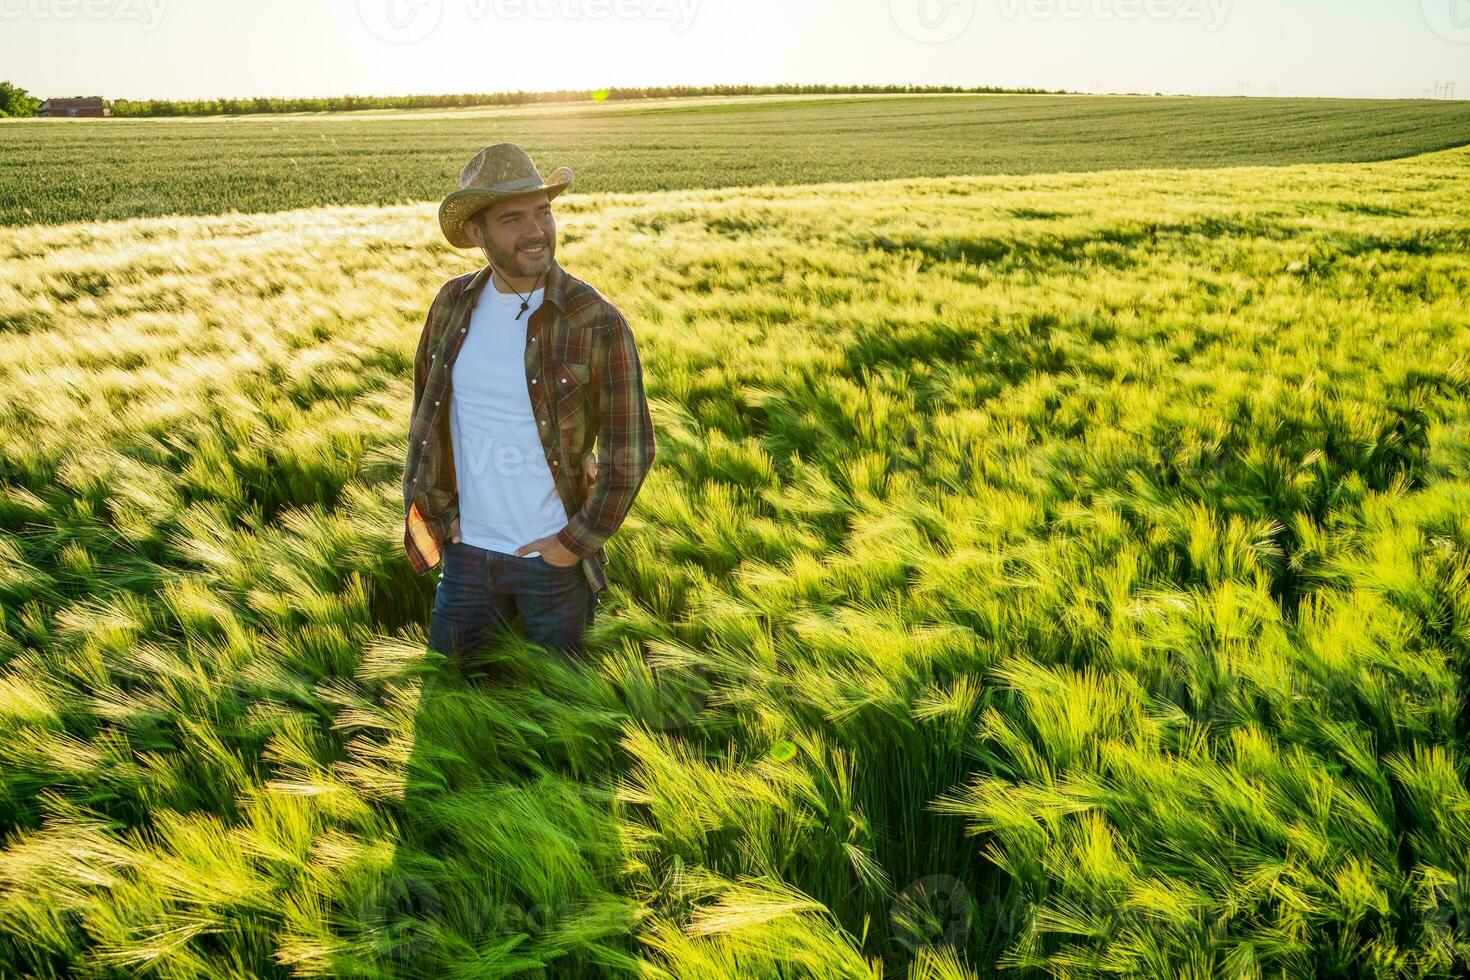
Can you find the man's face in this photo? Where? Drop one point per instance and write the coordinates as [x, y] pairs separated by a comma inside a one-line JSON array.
[[518, 234]]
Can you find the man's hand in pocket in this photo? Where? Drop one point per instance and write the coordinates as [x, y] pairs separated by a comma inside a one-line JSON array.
[[551, 549]]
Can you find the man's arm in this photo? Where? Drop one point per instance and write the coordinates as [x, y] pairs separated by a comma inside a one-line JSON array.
[[625, 446], [421, 355], [421, 377]]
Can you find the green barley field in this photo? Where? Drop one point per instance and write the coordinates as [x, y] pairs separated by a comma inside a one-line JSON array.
[[1050, 575], [105, 170]]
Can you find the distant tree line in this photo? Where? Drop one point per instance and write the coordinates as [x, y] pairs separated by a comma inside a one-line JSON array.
[[16, 101], [348, 103]]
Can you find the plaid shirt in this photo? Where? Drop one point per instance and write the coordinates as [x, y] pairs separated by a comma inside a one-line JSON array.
[[585, 381]]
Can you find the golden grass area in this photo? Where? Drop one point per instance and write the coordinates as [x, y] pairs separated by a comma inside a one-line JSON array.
[[1062, 572]]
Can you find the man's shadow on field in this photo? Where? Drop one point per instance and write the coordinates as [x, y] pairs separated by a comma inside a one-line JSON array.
[[481, 739]]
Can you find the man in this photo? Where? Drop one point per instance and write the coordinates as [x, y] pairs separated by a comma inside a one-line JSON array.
[[519, 368]]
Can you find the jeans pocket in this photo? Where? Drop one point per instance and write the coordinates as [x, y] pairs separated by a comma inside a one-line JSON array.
[[555, 568]]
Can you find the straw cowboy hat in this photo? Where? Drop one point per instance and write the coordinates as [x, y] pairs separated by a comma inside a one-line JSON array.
[[497, 172]]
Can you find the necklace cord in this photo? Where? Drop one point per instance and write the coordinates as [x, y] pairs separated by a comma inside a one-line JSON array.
[[525, 303]]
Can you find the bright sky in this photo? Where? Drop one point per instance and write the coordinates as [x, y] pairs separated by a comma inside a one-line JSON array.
[[203, 48]]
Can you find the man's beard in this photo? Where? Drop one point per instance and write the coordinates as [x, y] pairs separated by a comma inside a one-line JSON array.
[[509, 261]]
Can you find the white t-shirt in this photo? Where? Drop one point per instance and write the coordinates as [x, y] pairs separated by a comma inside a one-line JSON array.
[[507, 496]]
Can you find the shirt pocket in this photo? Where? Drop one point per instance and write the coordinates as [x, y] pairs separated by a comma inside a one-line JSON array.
[[569, 381]]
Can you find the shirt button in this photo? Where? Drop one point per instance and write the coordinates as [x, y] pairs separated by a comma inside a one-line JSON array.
[[436, 403], [543, 421], [533, 381], [424, 442], [563, 380]]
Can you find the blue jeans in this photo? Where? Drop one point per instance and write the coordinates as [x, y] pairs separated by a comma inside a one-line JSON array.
[[480, 590]]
